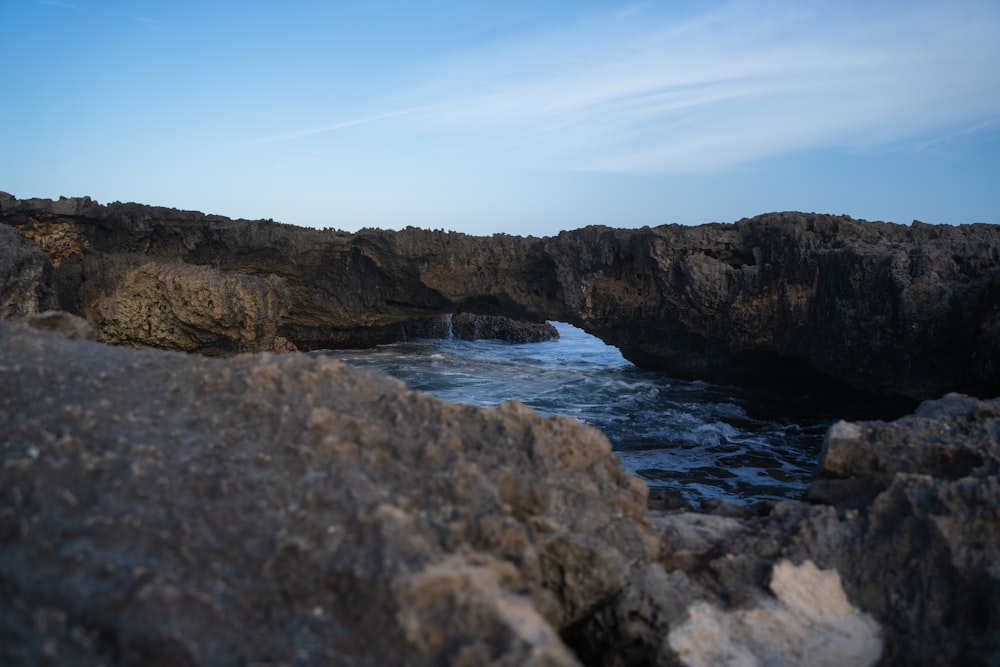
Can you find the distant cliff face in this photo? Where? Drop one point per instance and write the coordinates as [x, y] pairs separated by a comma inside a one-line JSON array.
[[898, 311]]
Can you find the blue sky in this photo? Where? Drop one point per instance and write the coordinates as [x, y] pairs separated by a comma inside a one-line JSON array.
[[518, 117]]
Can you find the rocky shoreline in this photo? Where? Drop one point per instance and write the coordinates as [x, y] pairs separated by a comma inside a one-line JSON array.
[[173, 509], [901, 312], [166, 508]]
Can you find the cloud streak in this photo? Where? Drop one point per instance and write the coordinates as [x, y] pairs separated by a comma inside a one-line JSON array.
[[643, 91], [332, 127]]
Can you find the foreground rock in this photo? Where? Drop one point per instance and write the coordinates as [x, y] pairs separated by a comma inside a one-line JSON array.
[[902, 312], [905, 522], [167, 509], [159, 508]]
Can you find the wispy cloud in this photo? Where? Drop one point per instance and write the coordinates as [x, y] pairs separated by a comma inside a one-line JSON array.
[[644, 91], [332, 127]]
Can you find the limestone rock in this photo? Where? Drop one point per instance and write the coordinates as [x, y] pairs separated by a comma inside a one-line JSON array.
[[190, 308], [25, 276], [905, 528], [477, 327], [809, 621], [829, 302], [163, 508]]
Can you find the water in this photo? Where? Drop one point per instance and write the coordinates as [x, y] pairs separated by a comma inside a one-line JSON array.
[[695, 439]]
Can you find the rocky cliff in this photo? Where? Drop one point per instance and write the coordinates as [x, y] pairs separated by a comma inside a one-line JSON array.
[[159, 508], [898, 311]]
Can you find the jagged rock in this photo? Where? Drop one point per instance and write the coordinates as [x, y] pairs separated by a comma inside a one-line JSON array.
[[809, 621], [917, 549], [466, 326], [162, 508], [188, 308], [476, 327], [173, 508], [902, 312], [898, 310], [25, 276]]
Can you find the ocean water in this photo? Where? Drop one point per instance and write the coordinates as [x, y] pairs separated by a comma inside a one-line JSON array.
[[698, 440]]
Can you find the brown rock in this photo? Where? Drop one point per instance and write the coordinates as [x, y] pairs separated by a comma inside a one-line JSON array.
[[190, 308], [823, 301], [25, 276], [162, 508]]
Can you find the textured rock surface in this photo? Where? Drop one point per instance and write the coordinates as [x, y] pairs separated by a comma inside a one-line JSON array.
[[190, 308], [25, 276], [809, 621], [900, 311], [159, 508], [913, 533], [466, 326]]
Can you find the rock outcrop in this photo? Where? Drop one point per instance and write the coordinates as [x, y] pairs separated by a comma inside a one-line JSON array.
[[907, 312], [467, 326], [906, 513], [165, 508], [25, 276], [189, 308], [160, 508]]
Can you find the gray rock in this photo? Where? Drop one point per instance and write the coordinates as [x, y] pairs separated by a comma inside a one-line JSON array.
[[162, 508], [909, 528], [467, 326], [25, 276]]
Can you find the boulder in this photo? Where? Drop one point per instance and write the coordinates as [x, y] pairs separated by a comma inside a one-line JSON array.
[[174, 306], [896, 560], [163, 508]]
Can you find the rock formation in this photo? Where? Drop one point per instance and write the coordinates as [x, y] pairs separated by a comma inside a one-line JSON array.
[[163, 508], [905, 513], [466, 326], [25, 275], [160, 508], [906, 312], [193, 308]]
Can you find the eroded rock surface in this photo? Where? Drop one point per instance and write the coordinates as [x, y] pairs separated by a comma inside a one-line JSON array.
[[907, 516], [25, 276], [190, 308], [899, 311], [160, 508], [467, 326]]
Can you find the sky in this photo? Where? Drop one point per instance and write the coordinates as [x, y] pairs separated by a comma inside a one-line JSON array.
[[519, 117]]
